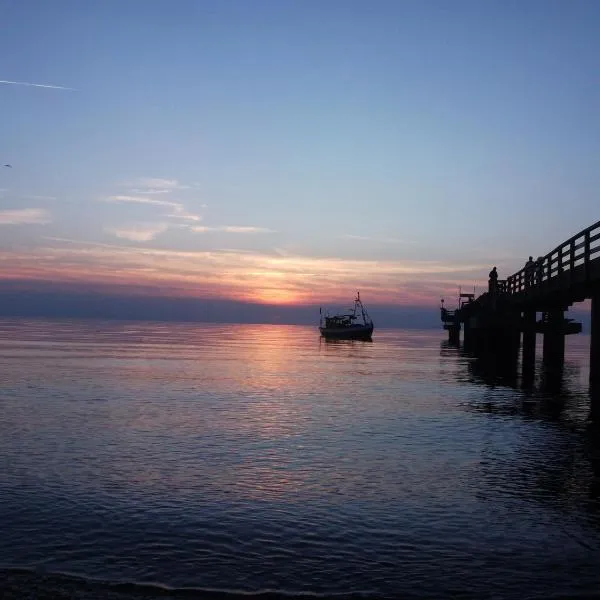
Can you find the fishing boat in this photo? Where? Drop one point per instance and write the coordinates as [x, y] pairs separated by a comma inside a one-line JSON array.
[[352, 325]]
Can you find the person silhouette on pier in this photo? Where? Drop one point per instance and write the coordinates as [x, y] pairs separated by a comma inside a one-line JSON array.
[[493, 287], [529, 270], [493, 282]]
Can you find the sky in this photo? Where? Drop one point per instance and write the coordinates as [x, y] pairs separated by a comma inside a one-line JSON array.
[[286, 153]]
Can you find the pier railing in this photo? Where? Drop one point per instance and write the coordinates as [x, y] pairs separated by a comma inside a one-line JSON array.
[[577, 251]]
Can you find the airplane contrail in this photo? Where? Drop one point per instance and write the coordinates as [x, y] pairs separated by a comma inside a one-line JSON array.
[[40, 85]]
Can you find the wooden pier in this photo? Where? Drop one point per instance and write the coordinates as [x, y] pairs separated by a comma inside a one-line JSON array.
[[503, 320]]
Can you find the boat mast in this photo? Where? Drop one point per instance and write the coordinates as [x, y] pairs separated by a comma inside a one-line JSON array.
[[362, 308]]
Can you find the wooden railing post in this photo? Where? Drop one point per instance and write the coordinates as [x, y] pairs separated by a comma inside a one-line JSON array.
[[560, 260], [571, 259], [586, 255]]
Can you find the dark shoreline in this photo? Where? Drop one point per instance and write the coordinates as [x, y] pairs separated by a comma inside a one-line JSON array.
[[29, 584]]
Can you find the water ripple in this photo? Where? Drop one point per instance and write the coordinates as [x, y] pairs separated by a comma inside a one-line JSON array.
[[254, 458]]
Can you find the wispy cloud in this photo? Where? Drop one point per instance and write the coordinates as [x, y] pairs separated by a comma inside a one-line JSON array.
[[236, 229], [150, 191], [381, 240], [35, 197], [155, 185], [232, 229], [143, 232], [144, 200], [181, 213], [178, 210], [24, 216], [37, 85]]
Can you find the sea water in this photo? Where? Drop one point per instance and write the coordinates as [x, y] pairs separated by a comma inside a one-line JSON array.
[[264, 459]]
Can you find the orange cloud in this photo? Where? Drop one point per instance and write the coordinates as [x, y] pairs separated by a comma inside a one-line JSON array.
[[240, 275]]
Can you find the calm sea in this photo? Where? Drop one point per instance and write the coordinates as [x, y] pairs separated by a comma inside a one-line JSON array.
[[137, 458]]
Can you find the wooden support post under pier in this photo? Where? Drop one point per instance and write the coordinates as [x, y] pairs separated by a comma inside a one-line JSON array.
[[454, 334], [595, 357], [467, 337], [554, 340], [528, 357]]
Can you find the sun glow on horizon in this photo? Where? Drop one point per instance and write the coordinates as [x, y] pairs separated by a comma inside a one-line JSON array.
[[237, 275], [275, 296]]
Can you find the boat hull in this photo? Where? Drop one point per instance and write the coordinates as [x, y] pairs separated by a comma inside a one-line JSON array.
[[354, 332]]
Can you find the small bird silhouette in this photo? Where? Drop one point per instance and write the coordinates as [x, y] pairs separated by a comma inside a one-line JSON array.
[[9, 166]]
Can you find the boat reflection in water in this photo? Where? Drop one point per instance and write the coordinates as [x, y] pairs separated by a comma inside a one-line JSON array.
[[353, 325]]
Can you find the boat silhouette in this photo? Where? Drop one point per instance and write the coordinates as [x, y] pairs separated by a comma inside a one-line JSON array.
[[356, 324]]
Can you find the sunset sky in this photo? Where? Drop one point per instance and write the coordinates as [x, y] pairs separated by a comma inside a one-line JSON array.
[[291, 152]]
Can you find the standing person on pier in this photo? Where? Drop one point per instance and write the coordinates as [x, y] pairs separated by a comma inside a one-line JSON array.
[[493, 281], [493, 287], [529, 268]]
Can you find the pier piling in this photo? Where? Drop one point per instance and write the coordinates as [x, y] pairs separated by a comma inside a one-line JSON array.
[[529, 324], [595, 356], [554, 339]]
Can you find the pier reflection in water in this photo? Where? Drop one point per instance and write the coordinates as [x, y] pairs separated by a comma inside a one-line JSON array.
[[556, 397]]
